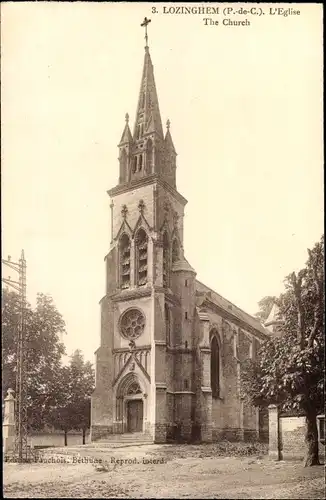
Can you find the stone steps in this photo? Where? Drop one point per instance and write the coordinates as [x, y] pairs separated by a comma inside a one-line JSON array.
[[115, 445]]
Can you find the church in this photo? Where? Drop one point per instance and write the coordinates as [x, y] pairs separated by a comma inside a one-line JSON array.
[[169, 362]]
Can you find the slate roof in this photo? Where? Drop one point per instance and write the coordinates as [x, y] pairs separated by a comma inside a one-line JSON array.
[[231, 308]]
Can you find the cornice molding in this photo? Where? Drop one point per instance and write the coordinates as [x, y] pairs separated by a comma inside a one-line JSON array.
[[160, 386], [135, 349], [135, 293], [181, 392], [145, 181], [122, 296]]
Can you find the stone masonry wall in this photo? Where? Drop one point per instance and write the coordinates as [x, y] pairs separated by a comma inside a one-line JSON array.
[[287, 436], [292, 430]]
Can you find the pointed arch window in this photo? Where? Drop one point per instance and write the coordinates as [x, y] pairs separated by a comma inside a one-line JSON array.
[[166, 259], [134, 166], [142, 257], [167, 324], [140, 162], [175, 250], [124, 261], [215, 367], [149, 155]]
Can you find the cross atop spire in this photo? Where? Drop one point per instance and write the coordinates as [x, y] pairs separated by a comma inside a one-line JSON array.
[[144, 25]]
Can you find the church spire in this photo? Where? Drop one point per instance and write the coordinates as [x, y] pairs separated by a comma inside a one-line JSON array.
[[147, 151], [148, 117]]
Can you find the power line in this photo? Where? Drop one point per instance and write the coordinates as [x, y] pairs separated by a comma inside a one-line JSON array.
[[21, 446]]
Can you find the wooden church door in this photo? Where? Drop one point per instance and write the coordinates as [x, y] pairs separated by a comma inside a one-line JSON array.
[[135, 415]]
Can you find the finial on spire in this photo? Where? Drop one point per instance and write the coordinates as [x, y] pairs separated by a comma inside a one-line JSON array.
[[127, 118], [144, 24], [168, 123]]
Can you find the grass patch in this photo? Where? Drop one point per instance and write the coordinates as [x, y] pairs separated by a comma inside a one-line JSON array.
[[218, 449], [240, 449], [88, 489]]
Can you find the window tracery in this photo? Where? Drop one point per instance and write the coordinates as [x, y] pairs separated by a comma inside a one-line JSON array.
[[134, 388], [132, 324], [125, 261]]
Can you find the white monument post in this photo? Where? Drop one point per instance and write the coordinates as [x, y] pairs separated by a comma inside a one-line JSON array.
[[8, 426]]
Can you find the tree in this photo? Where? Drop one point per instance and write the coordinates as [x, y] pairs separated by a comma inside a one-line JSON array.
[[265, 307], [60, 414], [77, 385], [289, 370], [44, 350], [82, 383]]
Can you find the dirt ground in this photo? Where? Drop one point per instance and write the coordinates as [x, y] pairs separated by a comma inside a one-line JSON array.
[[159, 471]]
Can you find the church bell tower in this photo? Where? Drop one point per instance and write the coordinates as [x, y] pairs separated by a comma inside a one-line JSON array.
[[147, 281]]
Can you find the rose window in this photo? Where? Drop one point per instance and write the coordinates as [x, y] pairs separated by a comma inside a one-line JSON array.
[[132, 324]]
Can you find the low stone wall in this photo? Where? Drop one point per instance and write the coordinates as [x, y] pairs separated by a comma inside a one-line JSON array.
[[56, 439], [292, 433], [287, 436]]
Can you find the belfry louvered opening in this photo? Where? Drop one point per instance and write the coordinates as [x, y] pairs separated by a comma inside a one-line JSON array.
[[142, 257], [125, 261]]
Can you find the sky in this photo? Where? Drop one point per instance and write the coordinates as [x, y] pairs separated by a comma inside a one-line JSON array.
[[246, 111]]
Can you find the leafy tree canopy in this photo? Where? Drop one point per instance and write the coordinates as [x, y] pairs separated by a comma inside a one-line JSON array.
[[289, 369], [265, 307], [77, 385], [44, 349]]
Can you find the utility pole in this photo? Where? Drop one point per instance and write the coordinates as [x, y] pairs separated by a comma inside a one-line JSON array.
[[21, 447]]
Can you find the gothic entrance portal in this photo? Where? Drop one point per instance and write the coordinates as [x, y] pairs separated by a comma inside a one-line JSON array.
[[130, 405], [135, 415]]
